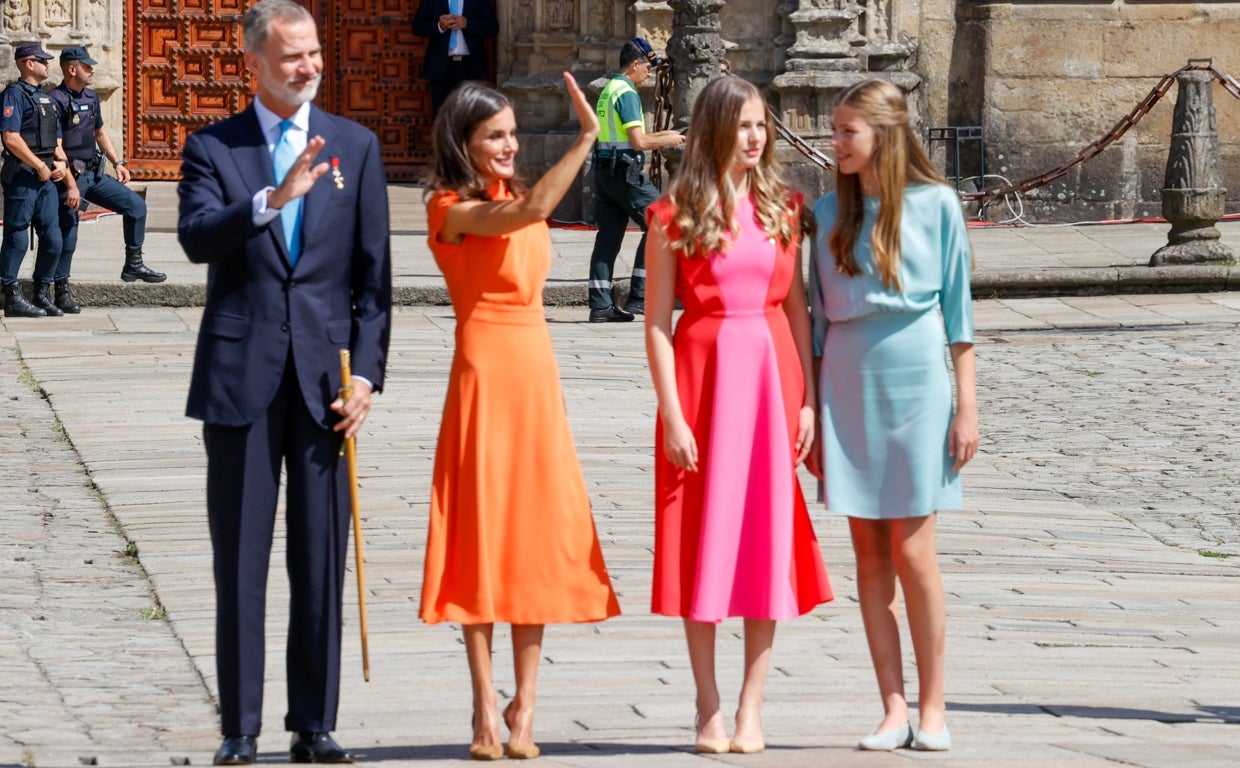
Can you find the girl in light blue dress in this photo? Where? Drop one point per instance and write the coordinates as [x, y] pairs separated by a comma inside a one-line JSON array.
[[889, 287]]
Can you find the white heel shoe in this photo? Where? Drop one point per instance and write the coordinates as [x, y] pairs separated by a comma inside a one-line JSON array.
[[886, 741], [933, 742]]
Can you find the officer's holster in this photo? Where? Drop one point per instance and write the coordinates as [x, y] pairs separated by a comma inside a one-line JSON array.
[[10, 168], [632, 169]]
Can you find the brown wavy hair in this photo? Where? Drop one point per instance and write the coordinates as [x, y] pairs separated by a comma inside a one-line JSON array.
[[701, 195], [899, 160], [469, 105]]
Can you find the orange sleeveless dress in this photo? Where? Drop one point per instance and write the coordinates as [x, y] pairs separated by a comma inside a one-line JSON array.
[[511, 536]]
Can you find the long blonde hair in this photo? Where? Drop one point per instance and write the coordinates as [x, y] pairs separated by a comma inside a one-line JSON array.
[[899, 160], [701, 195]]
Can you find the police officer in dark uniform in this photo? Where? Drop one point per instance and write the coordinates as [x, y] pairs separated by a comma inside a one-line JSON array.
[[89, 148], [33, 165], [623, 190]]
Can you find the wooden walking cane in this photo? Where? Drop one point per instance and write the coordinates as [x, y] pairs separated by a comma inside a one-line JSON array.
[[350, 453]]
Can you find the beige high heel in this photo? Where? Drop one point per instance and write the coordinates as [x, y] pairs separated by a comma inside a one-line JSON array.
[[748, 746], [709, 746], [518, 751], [522, 751], [712, 746], [486, 752], [483, 751]]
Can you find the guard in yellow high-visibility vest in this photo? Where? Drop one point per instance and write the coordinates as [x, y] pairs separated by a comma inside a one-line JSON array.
[[623, 189]]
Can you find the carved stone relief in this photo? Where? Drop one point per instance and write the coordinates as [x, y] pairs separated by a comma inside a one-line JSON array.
[[598, 17], [836, 43], [17, 16], [94, 15], [521, 19], [559, 14], [57, 13]]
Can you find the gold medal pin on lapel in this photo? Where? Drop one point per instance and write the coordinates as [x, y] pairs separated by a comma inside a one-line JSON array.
[[336, 176]]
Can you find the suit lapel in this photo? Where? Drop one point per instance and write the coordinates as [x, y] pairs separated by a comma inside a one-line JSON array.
[[249, 151], [253, 161], [317, 200]]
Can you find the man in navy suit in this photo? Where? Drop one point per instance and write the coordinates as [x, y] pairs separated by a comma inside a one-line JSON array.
[[456, 47], [299, 267]]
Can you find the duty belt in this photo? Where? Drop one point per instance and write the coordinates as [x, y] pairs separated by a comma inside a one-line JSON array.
[[82, 167]]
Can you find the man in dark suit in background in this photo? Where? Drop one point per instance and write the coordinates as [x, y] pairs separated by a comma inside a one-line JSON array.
[[299, 268], [456, 48]]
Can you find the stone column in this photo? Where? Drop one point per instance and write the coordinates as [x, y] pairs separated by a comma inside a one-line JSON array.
[[835, 45], [695, 50], [1193, 194]]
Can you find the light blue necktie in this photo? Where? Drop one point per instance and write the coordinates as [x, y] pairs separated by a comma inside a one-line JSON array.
[[454, 38], [290, 215]]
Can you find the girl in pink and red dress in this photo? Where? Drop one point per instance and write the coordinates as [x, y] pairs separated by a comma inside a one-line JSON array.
[[737, 408]]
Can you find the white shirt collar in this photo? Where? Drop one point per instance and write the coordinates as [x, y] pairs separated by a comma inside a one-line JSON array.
[[269, 121]]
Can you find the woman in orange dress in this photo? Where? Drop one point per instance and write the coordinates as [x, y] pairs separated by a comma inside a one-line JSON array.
[[511, 535]]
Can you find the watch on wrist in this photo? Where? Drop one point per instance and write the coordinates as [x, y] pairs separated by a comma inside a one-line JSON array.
[[118, 162]]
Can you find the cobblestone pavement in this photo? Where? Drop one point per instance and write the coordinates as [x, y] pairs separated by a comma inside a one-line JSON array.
[[1086, 629], [87, 663], [1140, 422]]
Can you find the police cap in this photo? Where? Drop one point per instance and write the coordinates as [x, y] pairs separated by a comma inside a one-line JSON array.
[[30, 50], [76, 53]]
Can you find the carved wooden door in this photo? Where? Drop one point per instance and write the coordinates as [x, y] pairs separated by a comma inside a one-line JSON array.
[[369, 75], [185, 69]]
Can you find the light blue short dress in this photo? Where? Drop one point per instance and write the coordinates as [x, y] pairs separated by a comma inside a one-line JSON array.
[[884, 390]]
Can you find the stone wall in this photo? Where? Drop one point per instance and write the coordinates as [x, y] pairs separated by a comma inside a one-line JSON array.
[[60, 23], [802, 52], [1044, 80]]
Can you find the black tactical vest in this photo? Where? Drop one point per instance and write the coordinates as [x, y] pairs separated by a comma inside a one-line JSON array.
[[39, 124], [78, 136]]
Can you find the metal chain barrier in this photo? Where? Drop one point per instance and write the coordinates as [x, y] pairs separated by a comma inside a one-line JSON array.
[[663, 86], [801, 145], [663, 119], [1120, 128]]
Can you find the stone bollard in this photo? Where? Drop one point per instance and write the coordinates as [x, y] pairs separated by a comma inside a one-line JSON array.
[[1193, 194]]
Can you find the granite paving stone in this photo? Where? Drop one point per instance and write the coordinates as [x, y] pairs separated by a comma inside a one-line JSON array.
[[1091, 577]]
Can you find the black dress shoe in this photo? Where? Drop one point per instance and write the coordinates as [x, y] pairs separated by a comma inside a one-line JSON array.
[[612, 314], [635, 306], [317, 748], [237, 750]]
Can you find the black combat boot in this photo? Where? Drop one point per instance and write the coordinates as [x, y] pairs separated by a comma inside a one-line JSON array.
[[16, 305], [136, 270], [43, 300], [64, 298]]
